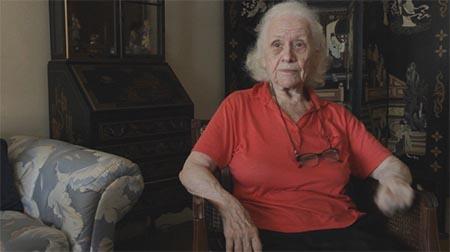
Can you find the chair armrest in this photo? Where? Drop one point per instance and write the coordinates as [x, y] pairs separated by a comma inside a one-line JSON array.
[[208, 227], [418, 226], [72, 187], [200, 241], [115, 202]]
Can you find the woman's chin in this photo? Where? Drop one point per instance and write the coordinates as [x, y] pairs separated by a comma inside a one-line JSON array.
[[289, 83]]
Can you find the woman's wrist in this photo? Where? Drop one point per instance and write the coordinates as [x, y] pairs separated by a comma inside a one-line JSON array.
[[392, 170], [224, 200]]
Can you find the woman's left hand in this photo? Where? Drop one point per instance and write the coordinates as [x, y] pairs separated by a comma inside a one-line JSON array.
[[393, 195], [394, 192]]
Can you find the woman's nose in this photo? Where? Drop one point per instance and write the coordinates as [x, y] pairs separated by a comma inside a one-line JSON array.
[[288, 55]]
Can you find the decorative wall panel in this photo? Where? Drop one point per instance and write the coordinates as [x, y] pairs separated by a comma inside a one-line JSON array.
[[406, 45]]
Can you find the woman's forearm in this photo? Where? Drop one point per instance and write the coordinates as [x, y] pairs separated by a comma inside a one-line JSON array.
[[392, 168], [197, 177]]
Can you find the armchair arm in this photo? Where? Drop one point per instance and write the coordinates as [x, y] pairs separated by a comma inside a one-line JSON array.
[[81, 191], [200, 242], [208, 229], [115, 202], [418, 226]]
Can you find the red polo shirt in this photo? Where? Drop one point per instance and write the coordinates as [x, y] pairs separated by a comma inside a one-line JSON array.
[[247, 134]]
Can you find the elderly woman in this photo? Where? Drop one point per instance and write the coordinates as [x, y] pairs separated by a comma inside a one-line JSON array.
[[291, 153]]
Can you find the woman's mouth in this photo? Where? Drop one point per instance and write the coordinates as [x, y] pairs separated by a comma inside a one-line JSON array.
[[288, 71]]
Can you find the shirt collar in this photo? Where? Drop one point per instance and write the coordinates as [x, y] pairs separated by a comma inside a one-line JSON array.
[[263, 91]]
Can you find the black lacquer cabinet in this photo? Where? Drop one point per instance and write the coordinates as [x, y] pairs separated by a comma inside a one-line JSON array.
[[110, 89]]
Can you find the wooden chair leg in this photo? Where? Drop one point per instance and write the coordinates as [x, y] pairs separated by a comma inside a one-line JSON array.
[[200, 240]]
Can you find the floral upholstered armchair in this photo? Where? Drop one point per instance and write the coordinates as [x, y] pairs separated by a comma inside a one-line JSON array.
[[72, 196]]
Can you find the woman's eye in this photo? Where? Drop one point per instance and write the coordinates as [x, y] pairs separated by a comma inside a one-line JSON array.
[[299, 45], [276, 44]]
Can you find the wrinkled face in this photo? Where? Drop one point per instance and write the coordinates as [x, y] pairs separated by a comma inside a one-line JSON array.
[[286, 50]]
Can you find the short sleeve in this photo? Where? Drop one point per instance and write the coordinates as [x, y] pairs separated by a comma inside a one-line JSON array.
[[219, 138], [366, 152]]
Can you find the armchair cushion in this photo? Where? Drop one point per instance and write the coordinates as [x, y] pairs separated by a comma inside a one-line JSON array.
[[10, 199], [23, 233]]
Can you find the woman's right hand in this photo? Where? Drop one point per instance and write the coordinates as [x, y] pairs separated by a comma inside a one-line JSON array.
[[239, 231]]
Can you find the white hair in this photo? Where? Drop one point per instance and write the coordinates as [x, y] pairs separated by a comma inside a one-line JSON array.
[[318, 63]]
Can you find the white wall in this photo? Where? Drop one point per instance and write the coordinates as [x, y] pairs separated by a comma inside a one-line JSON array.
[[25, 51], [194, 49]]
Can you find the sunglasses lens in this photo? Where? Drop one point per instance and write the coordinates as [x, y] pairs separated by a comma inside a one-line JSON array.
[[331, 154], [309, 160]]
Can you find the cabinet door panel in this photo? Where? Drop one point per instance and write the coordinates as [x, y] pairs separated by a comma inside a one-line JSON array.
[[142, 29], [92, 29]]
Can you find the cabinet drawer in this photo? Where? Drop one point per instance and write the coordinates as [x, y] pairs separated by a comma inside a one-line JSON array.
[[160, 148], [111, 131]]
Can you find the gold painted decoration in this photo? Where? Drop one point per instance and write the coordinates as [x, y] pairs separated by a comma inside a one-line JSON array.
[[332, 94], [441, 35], [377, 122], [251, 8], [396, 111], [386, 12], [336, 30], [416, 100], [142, 128], [436, 136], [435, 166], [416, 144], [396, 142], [439, 95], [377, 74], [436, 151], [61, 122], [391, 145], [441, 51], [373, 94], [378, 77], [403, 140], [233, 43], [396, 87], [233, 56], [408, 17], [443, 7]]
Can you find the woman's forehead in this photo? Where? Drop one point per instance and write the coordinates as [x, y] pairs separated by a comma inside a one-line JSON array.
[[288, 25]]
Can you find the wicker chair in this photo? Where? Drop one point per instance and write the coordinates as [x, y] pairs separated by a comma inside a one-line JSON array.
[[417, 227]]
